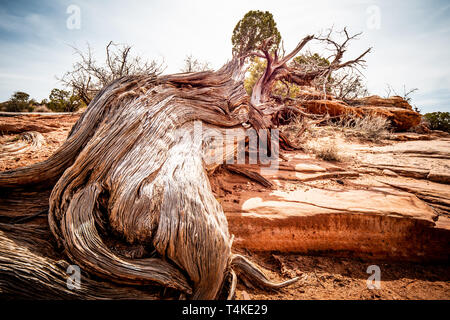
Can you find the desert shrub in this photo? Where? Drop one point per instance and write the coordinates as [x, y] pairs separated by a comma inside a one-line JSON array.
[[373, 127], [63, 101], [42, 108], [326, 150], [438, 120], [192, 64], [298, 130], [368, 127], [19, 102]]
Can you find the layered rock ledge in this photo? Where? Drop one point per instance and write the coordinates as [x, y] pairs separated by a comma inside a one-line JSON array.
[[316, 207]]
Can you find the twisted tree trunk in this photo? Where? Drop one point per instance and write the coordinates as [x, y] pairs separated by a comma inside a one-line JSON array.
[[127, 195]]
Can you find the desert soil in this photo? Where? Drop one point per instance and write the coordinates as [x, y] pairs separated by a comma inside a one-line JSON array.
[[323, 275]]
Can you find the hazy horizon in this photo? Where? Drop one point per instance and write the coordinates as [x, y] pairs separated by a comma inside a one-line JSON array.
[[408, 38]]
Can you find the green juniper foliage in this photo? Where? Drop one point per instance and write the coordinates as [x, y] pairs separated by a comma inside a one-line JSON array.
[[63, 101], [255, 27], [438, 120]]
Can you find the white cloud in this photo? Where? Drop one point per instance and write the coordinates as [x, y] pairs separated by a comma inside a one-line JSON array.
[[409, 49]]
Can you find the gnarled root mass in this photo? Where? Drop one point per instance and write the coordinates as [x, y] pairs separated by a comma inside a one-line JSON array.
[[26, 142], [128, 196]]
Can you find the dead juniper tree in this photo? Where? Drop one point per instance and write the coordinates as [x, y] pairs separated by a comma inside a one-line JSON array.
[[279, 69], [348, 86], [88, 76], [127, 196]]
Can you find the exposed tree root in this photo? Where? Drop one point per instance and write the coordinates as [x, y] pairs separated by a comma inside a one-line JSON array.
[[251, 272], [251, 175], [28, 141], [31, 268], [128, 195], [233, 285]]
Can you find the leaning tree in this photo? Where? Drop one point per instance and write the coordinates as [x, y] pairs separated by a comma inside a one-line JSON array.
[[127, 196]]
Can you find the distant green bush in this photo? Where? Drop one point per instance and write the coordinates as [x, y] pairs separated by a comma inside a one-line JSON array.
[[59, 101], [19, 102], [63, 101], [438, 120]]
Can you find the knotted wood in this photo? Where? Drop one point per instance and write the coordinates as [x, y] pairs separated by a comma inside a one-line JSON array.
[[127, 194]]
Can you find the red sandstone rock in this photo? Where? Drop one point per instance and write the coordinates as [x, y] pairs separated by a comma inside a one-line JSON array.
[[396, 109], [391, 102]]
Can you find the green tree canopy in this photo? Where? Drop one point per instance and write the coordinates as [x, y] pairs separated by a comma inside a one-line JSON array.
[[438, 120], [19, 102], [63, 101], [311, 59], [250, 31], [20, 96]]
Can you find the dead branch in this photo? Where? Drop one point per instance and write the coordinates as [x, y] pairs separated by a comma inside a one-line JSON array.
[[88, 77], [277, 69]]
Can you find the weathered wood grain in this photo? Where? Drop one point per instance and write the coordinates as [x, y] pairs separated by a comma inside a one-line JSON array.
[[132, 174]]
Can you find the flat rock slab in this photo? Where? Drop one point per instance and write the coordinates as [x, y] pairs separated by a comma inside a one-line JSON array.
[[388, 220], [380, 223], [414, 159], [434, 194]]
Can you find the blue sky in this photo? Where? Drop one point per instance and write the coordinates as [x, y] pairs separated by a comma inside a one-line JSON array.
[[410, 43]]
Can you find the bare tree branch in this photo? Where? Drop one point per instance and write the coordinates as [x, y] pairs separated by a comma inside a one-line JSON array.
[[87, 77]]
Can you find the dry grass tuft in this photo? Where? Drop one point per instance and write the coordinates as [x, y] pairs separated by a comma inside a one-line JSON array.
[[299, 130], [370, 127], [326, 150], [42, 108]]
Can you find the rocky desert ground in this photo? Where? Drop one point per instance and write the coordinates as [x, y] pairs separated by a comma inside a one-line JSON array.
[[384, 203]]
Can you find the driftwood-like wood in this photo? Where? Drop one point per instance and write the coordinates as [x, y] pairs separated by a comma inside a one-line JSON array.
[[127, 194], [28, 141]]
